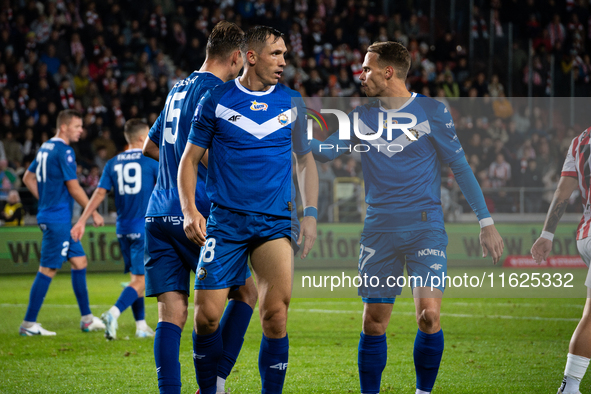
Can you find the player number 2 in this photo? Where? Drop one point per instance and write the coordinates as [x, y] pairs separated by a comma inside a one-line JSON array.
[[66, 246], [173, 112], [41, 171], [208, 251], [125, 179]]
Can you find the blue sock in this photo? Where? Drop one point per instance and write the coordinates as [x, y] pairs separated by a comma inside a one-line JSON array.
[[81, 291], [138, 309], [234, 324], [371, 361], [273, 357], [207, 352], [167, 342], [37, 296], [126, 299], [427, 355]]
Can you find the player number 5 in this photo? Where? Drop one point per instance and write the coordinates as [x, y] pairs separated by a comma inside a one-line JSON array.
[[173, 112]]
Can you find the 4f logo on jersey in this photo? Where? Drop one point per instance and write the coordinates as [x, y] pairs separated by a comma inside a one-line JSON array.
[[258, 106], [436, 267], [279, 366], [234, 118]]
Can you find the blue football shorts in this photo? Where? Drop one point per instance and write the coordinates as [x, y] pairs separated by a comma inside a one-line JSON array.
[[57, 245], [133, 249], [230, 238], [383, 256]]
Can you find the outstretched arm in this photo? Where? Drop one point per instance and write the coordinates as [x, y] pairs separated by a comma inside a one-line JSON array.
[[543, 245], [98, 196], [308, 180], [194, 223], [490, 240]]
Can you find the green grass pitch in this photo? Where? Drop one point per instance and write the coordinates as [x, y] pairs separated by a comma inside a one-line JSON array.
[[492, 345]]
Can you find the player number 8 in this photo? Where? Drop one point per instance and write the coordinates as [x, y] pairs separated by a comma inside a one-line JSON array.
[[208, 251]]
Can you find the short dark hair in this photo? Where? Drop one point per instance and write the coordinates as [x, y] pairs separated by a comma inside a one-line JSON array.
[[225, 38], [256, 38], [391, 53], [132, 128], [65, 116]]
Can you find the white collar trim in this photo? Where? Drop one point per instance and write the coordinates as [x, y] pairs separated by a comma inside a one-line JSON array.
[[251, 92]]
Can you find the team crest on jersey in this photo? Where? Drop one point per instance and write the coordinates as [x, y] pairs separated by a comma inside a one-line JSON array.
[[413, 132], [258, 106], [201, 274], [283, 119]]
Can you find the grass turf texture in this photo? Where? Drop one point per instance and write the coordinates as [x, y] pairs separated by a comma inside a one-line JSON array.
[[491, 345]]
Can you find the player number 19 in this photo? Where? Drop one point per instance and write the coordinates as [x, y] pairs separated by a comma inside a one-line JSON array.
[[124, 178]]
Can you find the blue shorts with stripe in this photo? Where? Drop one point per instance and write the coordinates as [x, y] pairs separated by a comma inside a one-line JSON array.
[[133, 250], [383, 256], [171, 256], [57, 245], [230, 238]]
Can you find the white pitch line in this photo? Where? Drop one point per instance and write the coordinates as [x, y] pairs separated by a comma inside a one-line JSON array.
[[459, 315], [336, 311]]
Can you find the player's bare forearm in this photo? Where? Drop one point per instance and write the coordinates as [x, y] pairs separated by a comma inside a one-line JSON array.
[[77, 192], [194, 223], [30, 181], [307, 174], [95, 200], [205, 158], [151, 150], [566, 187]]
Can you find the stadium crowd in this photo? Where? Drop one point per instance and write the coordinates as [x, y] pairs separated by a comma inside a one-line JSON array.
[[117, 59]]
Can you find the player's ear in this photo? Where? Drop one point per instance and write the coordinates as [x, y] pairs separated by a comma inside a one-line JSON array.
[[389, 72], [251, 57]]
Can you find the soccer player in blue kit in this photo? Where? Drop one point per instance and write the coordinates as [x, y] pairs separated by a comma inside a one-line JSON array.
[[132, 176], [51, 178], [171, 255], [404, 222], [246, 126]]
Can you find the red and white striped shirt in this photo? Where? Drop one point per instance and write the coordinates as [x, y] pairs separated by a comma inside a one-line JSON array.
[[578, 164]]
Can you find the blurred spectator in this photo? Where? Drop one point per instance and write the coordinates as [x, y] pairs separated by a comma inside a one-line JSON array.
[[499, 171], [8, 180], [532, 177], [13, 213], [13, 150]]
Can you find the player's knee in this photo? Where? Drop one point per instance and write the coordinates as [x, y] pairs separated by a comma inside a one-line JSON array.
[[274, 321], [428, 319], [205, 323], [51, 272], [373, 326]]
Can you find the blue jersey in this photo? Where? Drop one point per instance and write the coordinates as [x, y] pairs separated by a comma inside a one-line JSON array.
[[250, 138], [54, 164], [170, 133], [402, 176], [132, 176]]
